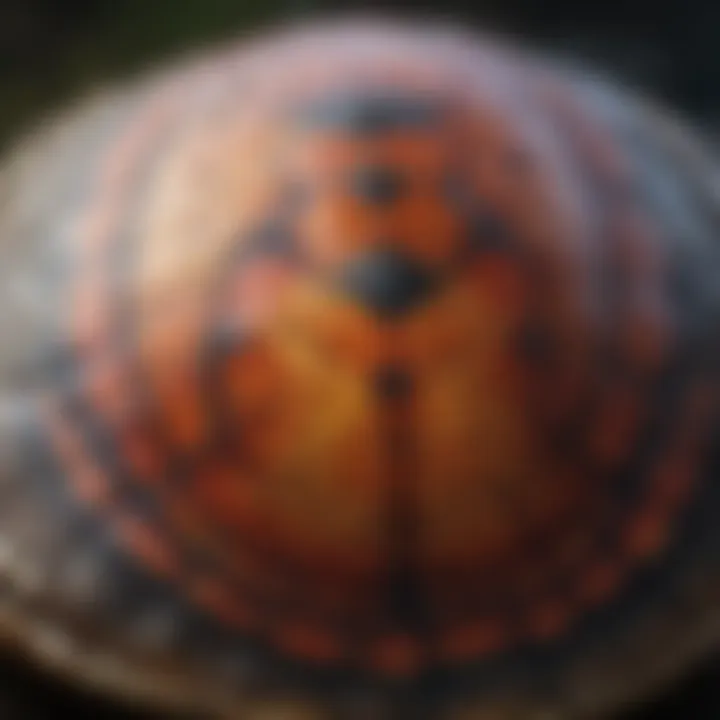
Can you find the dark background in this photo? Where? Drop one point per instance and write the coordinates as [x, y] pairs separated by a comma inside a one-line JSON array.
[[50, 49], [53, 50]]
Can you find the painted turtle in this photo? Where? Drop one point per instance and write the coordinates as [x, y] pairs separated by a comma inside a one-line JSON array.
[[361, 370]]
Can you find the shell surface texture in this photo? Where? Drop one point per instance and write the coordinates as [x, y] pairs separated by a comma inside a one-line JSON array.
[[361, 371]]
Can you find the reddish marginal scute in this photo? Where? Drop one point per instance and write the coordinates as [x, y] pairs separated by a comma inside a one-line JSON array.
[[477, 640], [397, 655], [142, 458], [673, 478], [648, 532], [147, 544], [213, 595], [317, 644], [599, 581], [225, 496], [616, 430], [550, 619], [88, 480], [388, 424]]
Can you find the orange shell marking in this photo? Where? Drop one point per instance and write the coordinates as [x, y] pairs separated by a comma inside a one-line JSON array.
[[377, 354]]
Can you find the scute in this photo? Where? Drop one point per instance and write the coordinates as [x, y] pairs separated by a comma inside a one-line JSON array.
[[389, 379]]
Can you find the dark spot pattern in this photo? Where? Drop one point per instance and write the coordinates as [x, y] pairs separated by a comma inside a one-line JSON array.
[[427, 590], [386, 282]]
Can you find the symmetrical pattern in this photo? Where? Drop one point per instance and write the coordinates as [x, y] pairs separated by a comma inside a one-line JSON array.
[[386, 358]]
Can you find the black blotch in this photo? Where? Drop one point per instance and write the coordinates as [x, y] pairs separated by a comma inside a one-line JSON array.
[[372, 113], [386, 282], [406, 605], [377, 184]]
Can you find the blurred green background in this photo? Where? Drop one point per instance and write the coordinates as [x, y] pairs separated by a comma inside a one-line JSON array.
[[51, 50]]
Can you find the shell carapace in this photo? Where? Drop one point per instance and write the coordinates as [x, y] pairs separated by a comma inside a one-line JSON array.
[[365, 369]]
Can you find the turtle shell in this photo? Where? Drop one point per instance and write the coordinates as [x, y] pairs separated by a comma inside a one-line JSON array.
[[361, 370]]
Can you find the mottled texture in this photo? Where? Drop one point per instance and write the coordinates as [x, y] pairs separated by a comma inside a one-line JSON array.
[[362, 367]]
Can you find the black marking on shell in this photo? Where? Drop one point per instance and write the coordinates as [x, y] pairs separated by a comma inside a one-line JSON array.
[[706, 522], [386, 282], [372, 112]]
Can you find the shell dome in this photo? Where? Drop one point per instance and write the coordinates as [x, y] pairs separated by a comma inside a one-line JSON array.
[[362, 363]]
